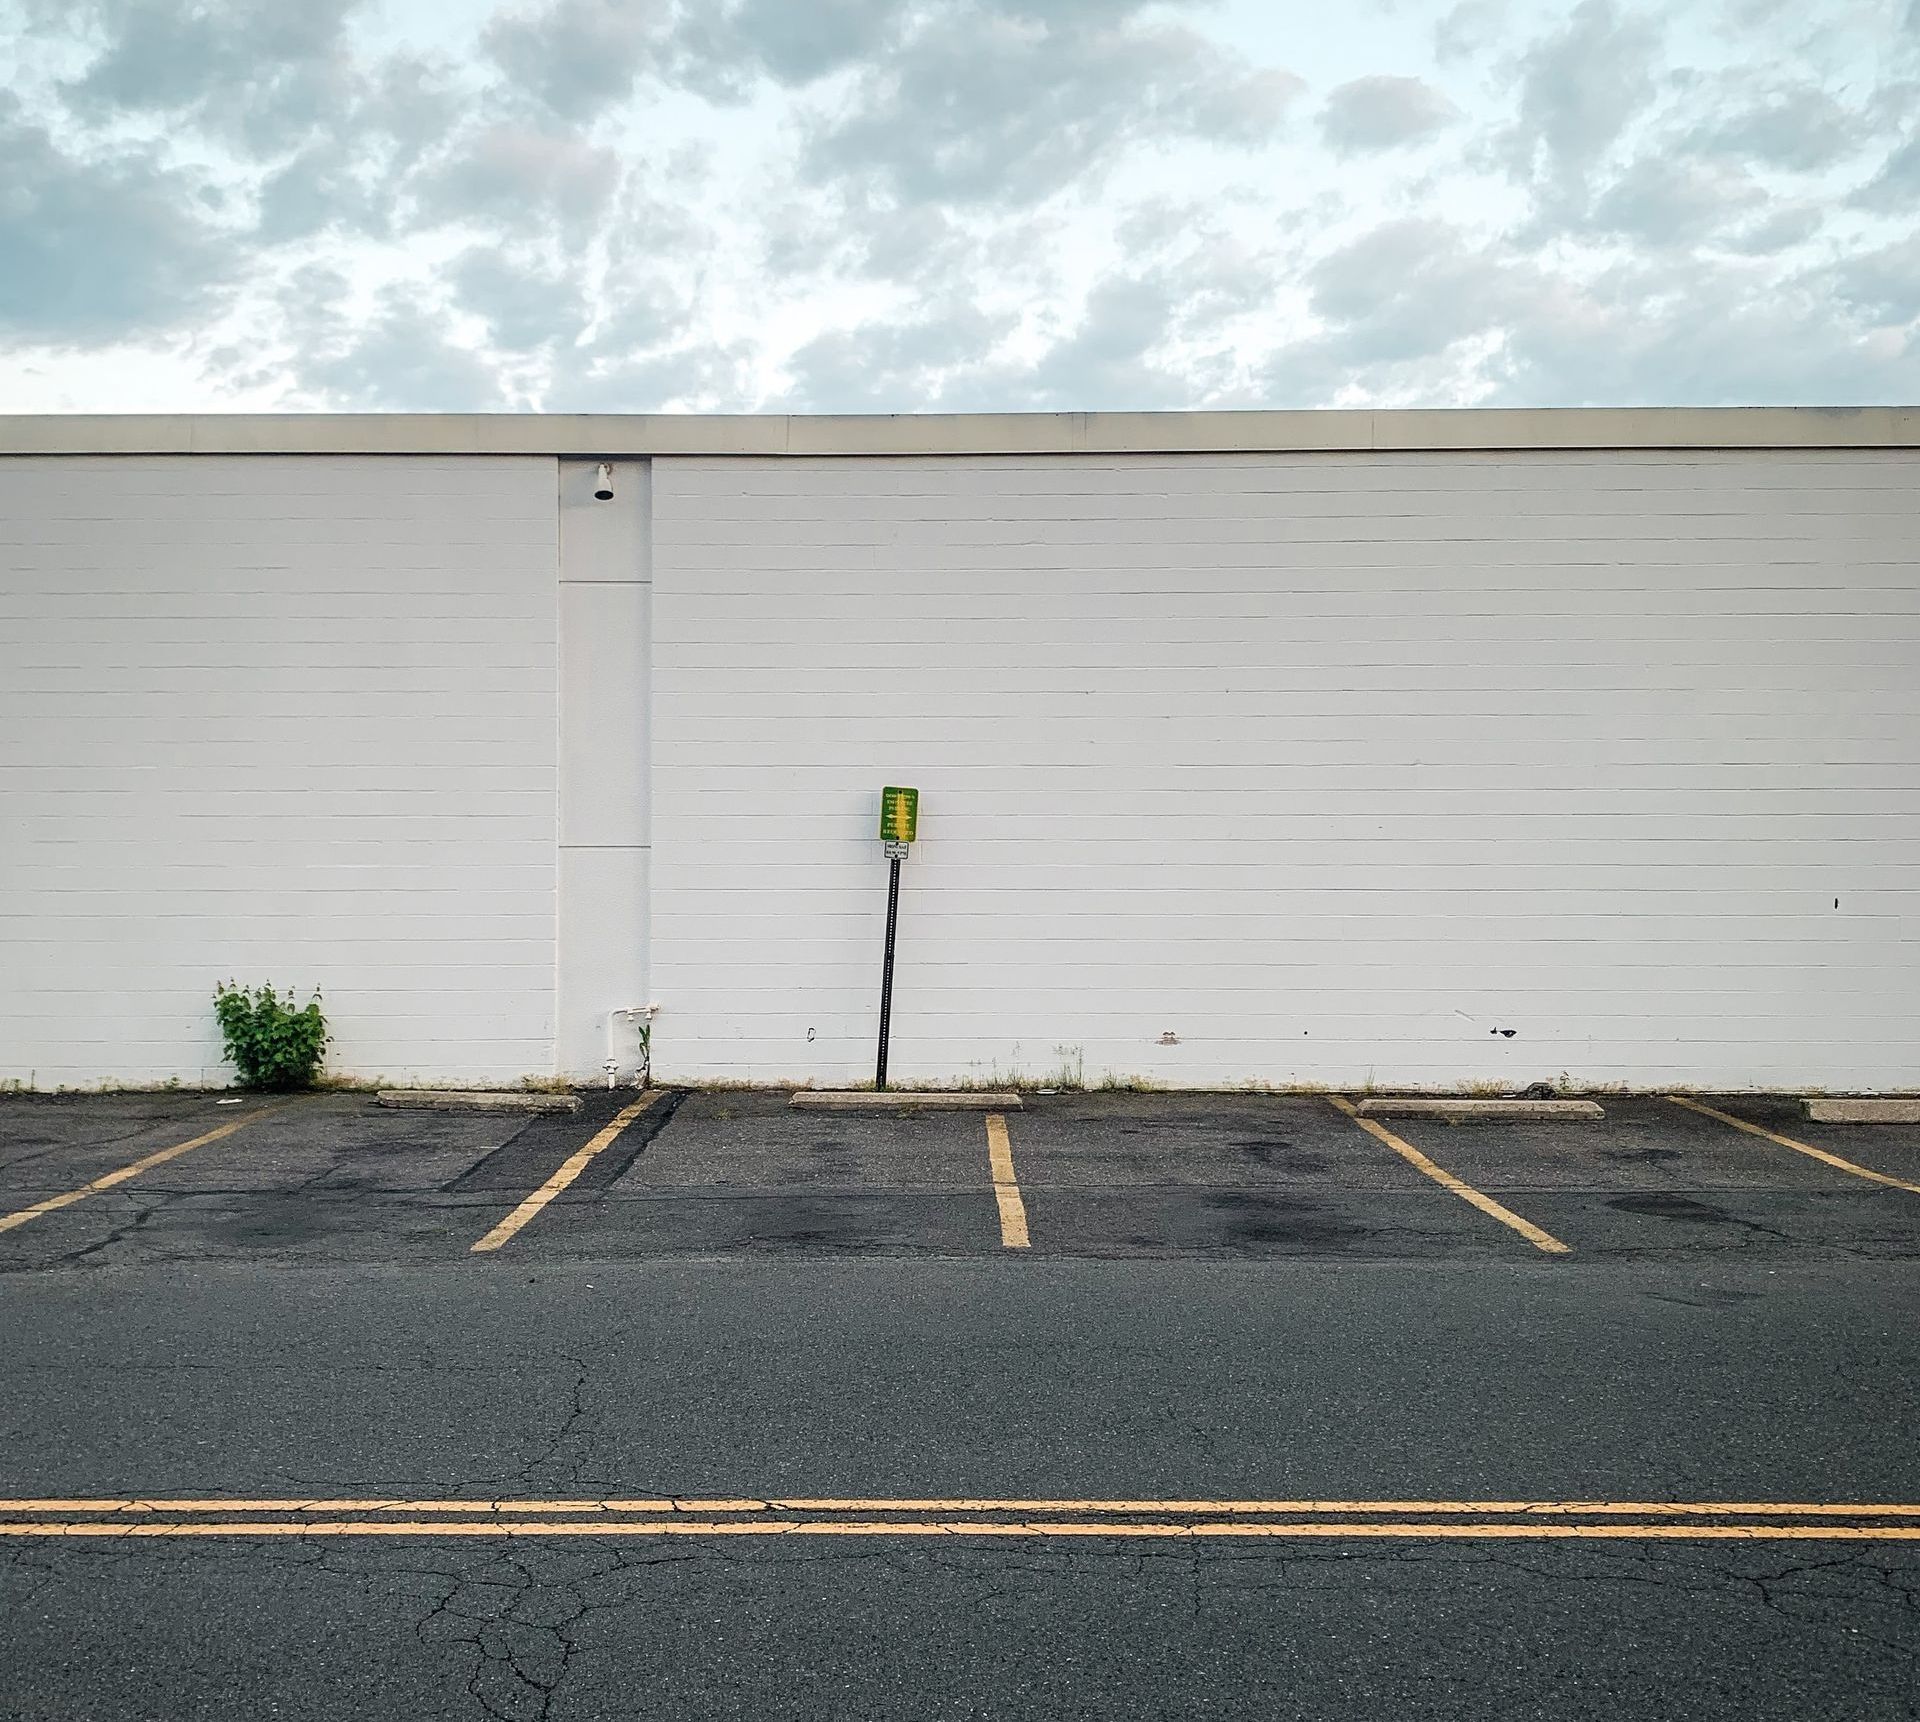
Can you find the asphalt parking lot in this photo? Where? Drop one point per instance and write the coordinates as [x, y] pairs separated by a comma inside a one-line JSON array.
[[335, 1178], [1117, 1405]]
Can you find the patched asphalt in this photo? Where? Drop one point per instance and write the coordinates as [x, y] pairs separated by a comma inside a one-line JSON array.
[[336, 1178], [1226, 1297]]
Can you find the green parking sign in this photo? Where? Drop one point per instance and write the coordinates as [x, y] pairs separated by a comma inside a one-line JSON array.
[[899, 814]]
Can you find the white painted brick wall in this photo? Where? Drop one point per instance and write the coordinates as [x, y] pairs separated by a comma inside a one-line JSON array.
[[1332, 766], [286, 719]]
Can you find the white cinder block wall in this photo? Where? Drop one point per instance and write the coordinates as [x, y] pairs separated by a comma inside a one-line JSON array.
[[1423, 768], [277, 718], [1416, 767]]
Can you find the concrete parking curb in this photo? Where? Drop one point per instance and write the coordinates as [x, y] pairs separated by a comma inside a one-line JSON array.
[[1897, 1111], [474, 1100], [1490, 1111], [903, 1100]]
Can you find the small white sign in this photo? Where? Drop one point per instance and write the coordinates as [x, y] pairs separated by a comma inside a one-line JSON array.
[[894, 851]]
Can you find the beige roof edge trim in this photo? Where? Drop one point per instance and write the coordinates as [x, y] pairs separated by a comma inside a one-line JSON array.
[[640, 434]]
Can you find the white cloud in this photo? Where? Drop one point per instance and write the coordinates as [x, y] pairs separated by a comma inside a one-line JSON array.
[[578, 57], [1582, 84], [907, 204], [400, 359], [1885, 284], [1662, 201], [1801, 127], [1383, 113], [103, 244], [1895, 188], [521, 179], [996, 105], [524, 303]]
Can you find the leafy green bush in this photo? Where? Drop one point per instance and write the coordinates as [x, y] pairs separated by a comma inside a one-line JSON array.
[[271, 1044]]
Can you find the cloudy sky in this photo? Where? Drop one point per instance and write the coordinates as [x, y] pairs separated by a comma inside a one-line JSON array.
[[731, 205]]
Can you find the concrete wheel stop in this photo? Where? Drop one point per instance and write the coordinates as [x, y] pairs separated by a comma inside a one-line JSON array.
[[905, 1100], [1491, 1110], [475, 1100], [1894, 1109]]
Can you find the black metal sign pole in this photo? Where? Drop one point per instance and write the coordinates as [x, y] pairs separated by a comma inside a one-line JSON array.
[[886, 970]]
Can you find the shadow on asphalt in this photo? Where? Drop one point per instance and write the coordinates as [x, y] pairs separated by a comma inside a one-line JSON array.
[[334, 1178]]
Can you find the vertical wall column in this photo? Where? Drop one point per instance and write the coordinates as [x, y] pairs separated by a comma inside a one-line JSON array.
[[606, 600]]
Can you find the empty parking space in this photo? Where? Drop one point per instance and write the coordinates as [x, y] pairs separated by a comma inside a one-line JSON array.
[[1656, 1179], [51, 1144], [743, 1172], [1882, 1153], [313, 1179], [1229, 1175], [332, 1177], [572, 1169]]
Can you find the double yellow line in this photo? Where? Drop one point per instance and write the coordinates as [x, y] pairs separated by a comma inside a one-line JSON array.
[[1018, 1519]]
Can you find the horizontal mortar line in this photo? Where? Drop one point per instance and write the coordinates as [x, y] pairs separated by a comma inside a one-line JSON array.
[[1401, 1530], [967, 1504]]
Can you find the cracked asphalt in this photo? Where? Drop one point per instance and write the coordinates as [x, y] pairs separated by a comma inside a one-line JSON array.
[[1238, 1298]]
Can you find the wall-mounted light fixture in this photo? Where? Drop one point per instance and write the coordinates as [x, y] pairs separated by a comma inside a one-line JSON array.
[[603, 482]]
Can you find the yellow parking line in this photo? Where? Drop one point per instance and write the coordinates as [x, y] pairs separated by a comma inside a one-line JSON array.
[[1540, 1240], [1806, 1148], [22, 1215], [570, 1168], [1006, 1188]]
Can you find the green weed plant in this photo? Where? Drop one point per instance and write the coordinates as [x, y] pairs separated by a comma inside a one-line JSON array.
[[272, 1043]]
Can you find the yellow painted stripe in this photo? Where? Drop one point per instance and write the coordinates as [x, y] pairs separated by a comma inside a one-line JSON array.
[[288, 1505], [965, 1504], [22, 1215], [1541, 1240], [1636, 1509], [1401, 1530], [1006, 1188], [1806, 1148], [570, 1168]]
